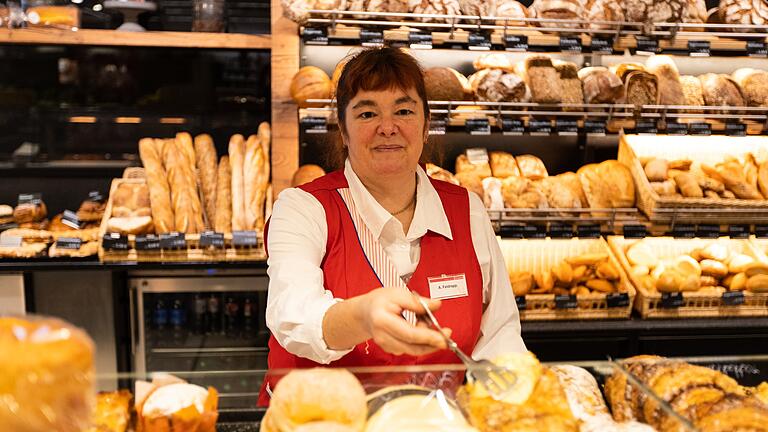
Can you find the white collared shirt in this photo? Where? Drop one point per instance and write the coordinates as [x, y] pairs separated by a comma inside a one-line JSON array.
[[297, 299]]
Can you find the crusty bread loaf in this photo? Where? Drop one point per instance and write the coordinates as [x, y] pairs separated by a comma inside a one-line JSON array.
[[205, 152], [503, 165], [223, 216], [754, 86], [558, 9], [262, 181], [187, 211], [150, 151], [542, 79], [252, 164], [692, 91], [510, 9], [607, 185], [720, 90], [307, 173], [464, 165], [236, 161], [642, 88], [498, 85], [531, 167], [186, 147], [603, 10], [494, 61], [670, 89], [446, 84], [570, 83], [601, 85]]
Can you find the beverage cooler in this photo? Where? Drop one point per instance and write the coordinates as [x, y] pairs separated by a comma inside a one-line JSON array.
[[208, 329]]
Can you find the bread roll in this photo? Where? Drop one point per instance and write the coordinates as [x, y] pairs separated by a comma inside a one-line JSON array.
[[665, 188], [446, 84], [720, 90], [601, 85], [531, 167], [689, 186], [497, 85], [542, 79], [519, 192], [205, 152], [608, 185], [306, 174], [503, 165], [150, 152], [558, 194], [670, 89], [570, 83], [236, 161], [732, 175], [754, 86], [223, 215], [310, 82], [657, 170], [464, 165]]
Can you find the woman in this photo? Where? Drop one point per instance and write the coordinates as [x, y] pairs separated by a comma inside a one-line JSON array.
[[343, 247]]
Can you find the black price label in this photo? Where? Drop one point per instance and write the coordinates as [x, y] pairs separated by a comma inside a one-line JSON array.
[[761, 231], [478, 126], [601, 45], [540, 127], [733, 298], [738, 231], [614, 300], [698, 48], [684, 231], [736, 129], [174, 240], [588, 231], [437, 126], [147, 243], [513, 231], [418, 40], [315, 125], [566, 302], [70, 219], [30, 198], [708, 231], [560, 231], [594, 127], [69, 243], [516, 43], [757, 49], [115, 242], [646, 127], [567, 127], [635, 231], [704, 129], [512, 126], [95, 196], [521, 304], [315, 36], [570, 44], [534, 231], [244, 239], [371, 38], [674, 128], [671, 300], [647, 46], [210, 239], [478, 42]]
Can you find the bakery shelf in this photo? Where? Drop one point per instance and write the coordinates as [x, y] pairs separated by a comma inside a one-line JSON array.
[[56, 36]]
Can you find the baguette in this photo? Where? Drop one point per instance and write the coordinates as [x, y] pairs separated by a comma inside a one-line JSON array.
[[183, 190], [150, 152], [236, 161], [223, 216], [265, 137], [185, 146], [252, 165], [205, 152]]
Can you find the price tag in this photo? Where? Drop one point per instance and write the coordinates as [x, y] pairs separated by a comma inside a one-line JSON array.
[[540, 127], [702, 129], [534, 231], [115, 242], [315, 125], [70, 219], [513, 232], [437, 126], [478, 126], [95, 196], [478, 42], [315, 36], [567, 127], [761, 231], [174, 240], [757, 49], [560, 231], [646, 46], [570, 44], [594, 127], [708, 231], [671, 300], [601, 45], [674, 128], [244, 239], [614, 300], [738, 231], [635, 231], [736, 129], [646, 127], [566, 302], [521, 304], [698, 48], [149, 242], [733, 298], [588, 231], [418, 40], [371, 38], [683, 231], [516, 43], [69, 243], [30, 198], [11, 241], [512, 127], [477, 155], [210, 239]]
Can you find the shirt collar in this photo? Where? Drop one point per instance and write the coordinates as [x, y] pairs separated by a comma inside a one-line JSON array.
[[428, 216]]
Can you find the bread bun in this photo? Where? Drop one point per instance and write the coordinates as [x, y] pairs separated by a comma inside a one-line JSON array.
[[310, 82], [446, 84], [305, 174], [531, 167], [503, 165]]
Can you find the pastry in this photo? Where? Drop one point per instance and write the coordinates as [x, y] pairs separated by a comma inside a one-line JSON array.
[[670, 89], [497, 85], [720, 90], [542, 79], [207, 167], [411, 408], [164, 406], [223, 215], [306, 174], [86, 235], [236, 160], [531, 167], [569, 82], [35, 211], [89, 211], [86, 249], [754, 86], [601, 85], [434, 7], [446, 84], [521, 282], [112, 412], [151, 152], [26, 250], [6, 214], [607, 185], [503, 165], [310, 82]]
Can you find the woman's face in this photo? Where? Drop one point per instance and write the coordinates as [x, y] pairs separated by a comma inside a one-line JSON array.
[[385, 132]]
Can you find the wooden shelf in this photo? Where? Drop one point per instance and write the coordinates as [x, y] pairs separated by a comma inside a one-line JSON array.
[[50, 36]]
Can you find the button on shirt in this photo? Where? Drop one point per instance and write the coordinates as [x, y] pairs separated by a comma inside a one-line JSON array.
[[298, 300]]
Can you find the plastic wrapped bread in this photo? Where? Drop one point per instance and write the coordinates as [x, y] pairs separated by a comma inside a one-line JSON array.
[[205, 152], [150, 151]]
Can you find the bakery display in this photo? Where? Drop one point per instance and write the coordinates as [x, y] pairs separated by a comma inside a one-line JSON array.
[[310, 82], [584, 274], [446, 84], [47, 378]]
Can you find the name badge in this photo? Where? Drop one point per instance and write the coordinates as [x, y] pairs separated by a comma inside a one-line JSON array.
[[447, 286]]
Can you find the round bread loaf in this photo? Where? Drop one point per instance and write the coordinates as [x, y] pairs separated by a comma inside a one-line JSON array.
[[310, 82], [754, 86], [560, 10], [720, 90], [446, 84], [497, 85], [305, 174], [510, 9], [753, 12]]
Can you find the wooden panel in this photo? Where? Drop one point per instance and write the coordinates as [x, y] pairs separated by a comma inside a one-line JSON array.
[[285, 122], [145, 39]]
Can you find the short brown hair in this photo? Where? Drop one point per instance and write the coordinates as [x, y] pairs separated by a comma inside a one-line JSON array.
[[375, 69]]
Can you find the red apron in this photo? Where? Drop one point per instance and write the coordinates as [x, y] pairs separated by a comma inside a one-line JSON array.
[[347, 273]]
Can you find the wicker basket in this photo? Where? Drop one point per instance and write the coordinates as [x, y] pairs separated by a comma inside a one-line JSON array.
[[709, 150], [695, 304], [537, 255]]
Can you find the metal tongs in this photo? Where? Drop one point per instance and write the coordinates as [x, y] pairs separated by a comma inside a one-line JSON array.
[[498, 381]]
